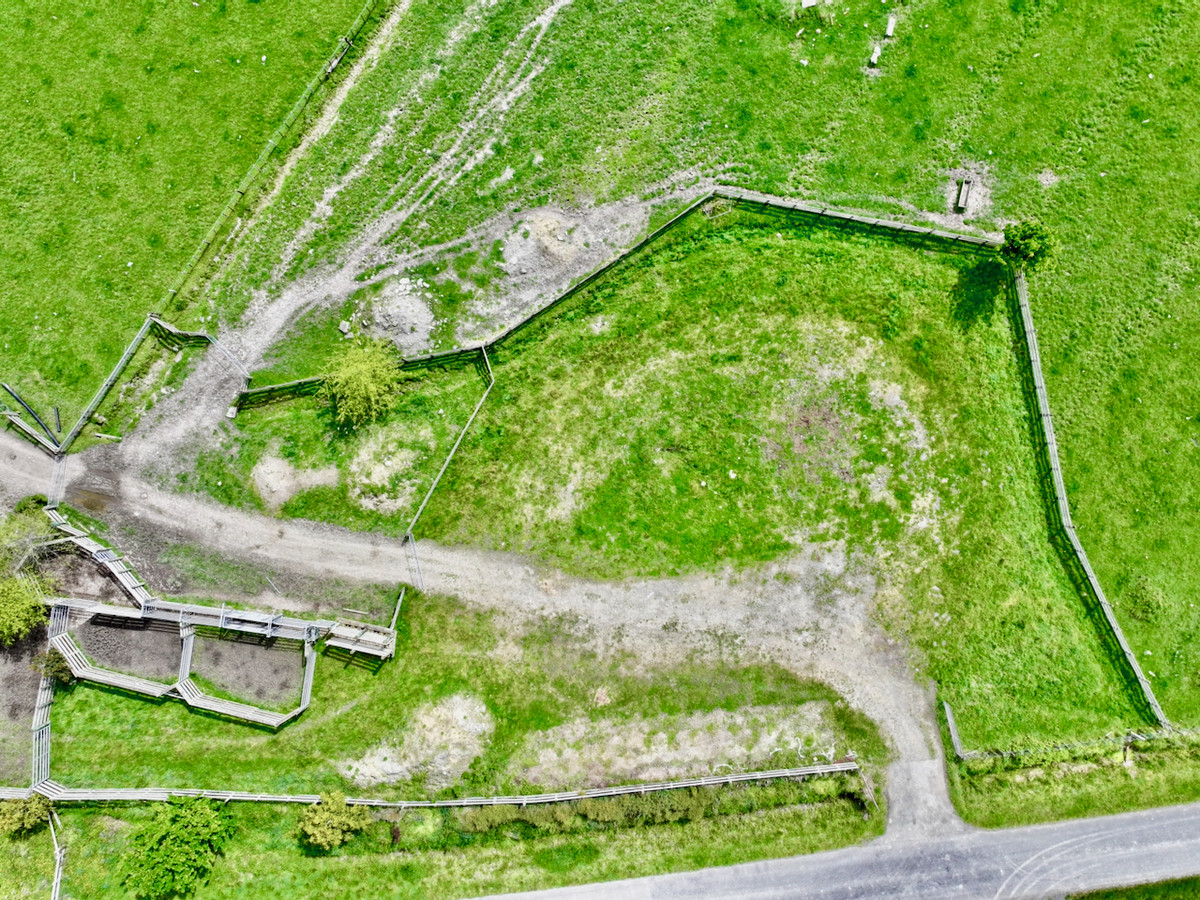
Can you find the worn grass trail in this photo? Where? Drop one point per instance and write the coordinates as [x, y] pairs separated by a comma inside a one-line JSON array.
[[124, 127]]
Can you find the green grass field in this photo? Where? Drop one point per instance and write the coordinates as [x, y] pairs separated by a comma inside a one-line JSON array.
[[730, 89], [264, 858], [124, 128], [730, 395]]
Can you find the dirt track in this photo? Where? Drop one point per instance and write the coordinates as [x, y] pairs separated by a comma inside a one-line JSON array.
[[814, 620]]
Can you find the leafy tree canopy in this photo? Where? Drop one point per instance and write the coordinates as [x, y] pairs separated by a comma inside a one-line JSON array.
[[174, 852], [21, 610], [362, 385], [1029, 245], [332, 822], [24, 815]]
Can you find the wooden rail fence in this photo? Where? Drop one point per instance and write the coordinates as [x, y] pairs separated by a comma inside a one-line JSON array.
[[60, 794]]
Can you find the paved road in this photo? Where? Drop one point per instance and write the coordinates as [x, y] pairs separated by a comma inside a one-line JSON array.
[[1040, 861]]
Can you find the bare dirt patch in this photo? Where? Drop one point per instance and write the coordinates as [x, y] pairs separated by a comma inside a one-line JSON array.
[[586, 753], [73, 576], [267, 673], [277, 480], [1047, 178], [133, 647], [18, 696], [439, 745]]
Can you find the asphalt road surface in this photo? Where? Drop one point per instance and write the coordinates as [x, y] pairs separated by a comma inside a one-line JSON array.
[[1040, 861]]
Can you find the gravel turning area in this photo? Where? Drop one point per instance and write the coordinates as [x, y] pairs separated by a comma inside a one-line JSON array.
[[265, 673], [18, 695], [148, 651]]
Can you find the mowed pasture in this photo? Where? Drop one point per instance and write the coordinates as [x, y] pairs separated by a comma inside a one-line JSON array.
[[124, 128], [1072, 113]]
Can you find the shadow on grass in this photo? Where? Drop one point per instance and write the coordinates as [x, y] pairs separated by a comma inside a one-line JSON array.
[[980, 283]]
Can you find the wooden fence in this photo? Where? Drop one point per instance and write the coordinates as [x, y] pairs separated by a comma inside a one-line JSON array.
[[1060, 496], [60, 794]]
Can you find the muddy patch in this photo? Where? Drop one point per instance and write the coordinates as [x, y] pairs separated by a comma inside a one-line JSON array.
[[133, 647], [438, 746], [586, 753], [18, 695], [277, 480], [265, 673]]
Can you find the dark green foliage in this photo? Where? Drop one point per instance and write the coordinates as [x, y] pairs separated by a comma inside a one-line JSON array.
[[24, 815], [173, 853], [53, 664], [1029, 245], [332, 822]]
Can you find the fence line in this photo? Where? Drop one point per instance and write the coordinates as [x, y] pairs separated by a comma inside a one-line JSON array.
[[60, 794], [276, 139], [60, 854], [1110, 740], [1060, 496]]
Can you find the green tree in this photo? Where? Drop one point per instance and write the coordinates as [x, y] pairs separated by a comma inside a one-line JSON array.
[[332, 822], [1029, 245], [24, 815], [171, 855], [21, 610], [362, 386]]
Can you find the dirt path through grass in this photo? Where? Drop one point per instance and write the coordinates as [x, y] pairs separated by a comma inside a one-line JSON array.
[[811, 613]]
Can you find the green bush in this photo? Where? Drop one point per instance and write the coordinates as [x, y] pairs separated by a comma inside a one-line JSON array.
[[171, 855], [1144, 600], [332, 822], [23, 816], [362, 385], [1029, 245], [53, 664], [21, 610]]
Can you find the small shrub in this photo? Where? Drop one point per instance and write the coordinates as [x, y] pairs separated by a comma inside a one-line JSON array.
[[332, 822], [53, 664], [23, 816], [485, 818], [362, 385], [174, 852], [1029, 245], [1144, 600]]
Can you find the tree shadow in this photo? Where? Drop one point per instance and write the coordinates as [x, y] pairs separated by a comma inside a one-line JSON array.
[[979, 285]]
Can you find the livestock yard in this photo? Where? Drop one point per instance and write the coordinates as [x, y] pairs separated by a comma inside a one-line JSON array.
[[455, 449]]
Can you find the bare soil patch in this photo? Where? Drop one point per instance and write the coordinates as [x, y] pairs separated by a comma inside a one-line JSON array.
[[438, 745], [74, 576], [586, 753], [18, 696], [277, 480], [133, 647], [266, 673]]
